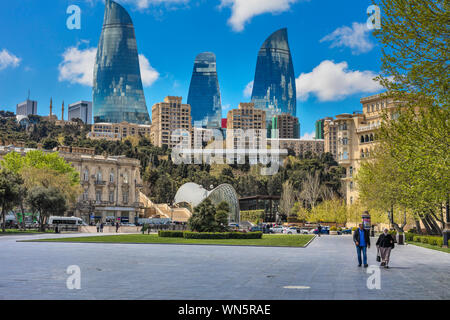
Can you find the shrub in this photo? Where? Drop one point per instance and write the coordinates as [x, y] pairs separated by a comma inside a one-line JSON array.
[[424, 239], [170, 234], [432, 241], [417, 239], [333, 228], [440, 242], [409, 236], [222, 235]]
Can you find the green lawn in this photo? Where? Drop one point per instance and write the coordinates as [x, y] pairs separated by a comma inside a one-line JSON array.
[[18, 231], [429, 246], [267, 240]]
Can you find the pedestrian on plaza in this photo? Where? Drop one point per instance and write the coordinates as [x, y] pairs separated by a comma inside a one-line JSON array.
[[101, 227], [117, 226], [319, 229], [98, 226], [361, 239], [385, 244]]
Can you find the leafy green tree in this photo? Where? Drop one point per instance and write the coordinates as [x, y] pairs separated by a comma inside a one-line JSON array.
[[10, 192], [46, 202], [203, 219], [50, 144], [222, 214]]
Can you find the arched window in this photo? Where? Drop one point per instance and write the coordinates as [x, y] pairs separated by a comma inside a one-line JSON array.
[[366, 138], [362, 139], [362, 153], [371, 137]]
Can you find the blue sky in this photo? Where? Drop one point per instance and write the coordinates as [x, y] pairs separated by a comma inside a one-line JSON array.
[[335, 56]]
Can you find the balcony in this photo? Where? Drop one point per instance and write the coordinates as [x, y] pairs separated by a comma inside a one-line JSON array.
[[368, 128], [100, 183]]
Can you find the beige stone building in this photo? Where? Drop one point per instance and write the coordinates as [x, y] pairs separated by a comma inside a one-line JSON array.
[[246, 117], [356, 136], [168, 116], [301, 147], [118, 131], [287, 125], [110, 185]]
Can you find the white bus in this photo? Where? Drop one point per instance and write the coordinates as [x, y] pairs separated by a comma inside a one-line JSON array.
[[65, 221]]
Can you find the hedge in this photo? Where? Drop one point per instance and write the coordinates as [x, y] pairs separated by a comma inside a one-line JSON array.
[[433, 240], [222, 235], [170, 234]]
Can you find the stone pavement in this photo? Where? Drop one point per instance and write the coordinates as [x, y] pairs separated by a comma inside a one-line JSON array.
[[326, 269]]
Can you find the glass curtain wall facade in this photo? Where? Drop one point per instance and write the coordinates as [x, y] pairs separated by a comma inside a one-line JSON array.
[[204, 92], [274, 86], [118, 94]]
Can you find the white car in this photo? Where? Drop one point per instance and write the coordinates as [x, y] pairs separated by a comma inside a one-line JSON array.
[[278, 229], [305, 231], [290, 230]]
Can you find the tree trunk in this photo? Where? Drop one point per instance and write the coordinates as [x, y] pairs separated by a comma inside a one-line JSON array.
[[23, 214], [426, 225], [419, 231]]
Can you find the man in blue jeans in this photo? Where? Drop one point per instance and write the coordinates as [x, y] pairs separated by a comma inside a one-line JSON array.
[[362, 241]]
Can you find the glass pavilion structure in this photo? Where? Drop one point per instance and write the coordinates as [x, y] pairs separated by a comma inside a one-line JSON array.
[[204, 92], [193, 194], [274, 85], [118, 94]]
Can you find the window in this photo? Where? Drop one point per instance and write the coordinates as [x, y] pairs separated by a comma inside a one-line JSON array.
[[98, 196], [125, 197], [350, 171], [125, 177], [351, 185], [99, 176], [111, 196], [86, 175], [111, 177], [85, 195]]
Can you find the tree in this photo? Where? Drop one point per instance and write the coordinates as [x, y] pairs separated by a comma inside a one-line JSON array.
[[288, 198], [203, 219], [46, 202], [10, 192], [311, 189], [222, 214], [49, 144]]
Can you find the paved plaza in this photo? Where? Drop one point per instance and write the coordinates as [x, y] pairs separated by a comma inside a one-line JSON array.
[[326, 269]]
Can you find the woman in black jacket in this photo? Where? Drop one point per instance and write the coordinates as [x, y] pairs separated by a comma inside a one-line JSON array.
[[385, 244]]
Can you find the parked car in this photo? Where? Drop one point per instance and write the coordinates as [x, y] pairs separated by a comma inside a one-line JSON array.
[[290, 230], [305, 231], [277, 229], [347, 231], [325, 230], [255, 229]]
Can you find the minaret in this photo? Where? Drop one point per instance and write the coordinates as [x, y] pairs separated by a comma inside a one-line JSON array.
[[62, 111], [51, 107]]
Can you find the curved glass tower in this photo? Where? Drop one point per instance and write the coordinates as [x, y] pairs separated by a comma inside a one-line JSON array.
[[117, 91], [274, 85], [204, 92]]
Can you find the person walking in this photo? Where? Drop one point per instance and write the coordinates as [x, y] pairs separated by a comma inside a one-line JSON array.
[[319, 229], [98, 226], [117, 226], [101, 227], [385, 244], [361, 239]]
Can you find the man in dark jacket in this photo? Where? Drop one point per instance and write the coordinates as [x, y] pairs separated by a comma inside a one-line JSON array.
[[385, 244], [361, 239]]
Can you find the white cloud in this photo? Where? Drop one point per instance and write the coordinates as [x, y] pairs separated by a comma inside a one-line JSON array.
[[242, 11], [356, 38], [8, 59], [248, 90], [148, 74], [77, 67], [308, 136], [331, 81]]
